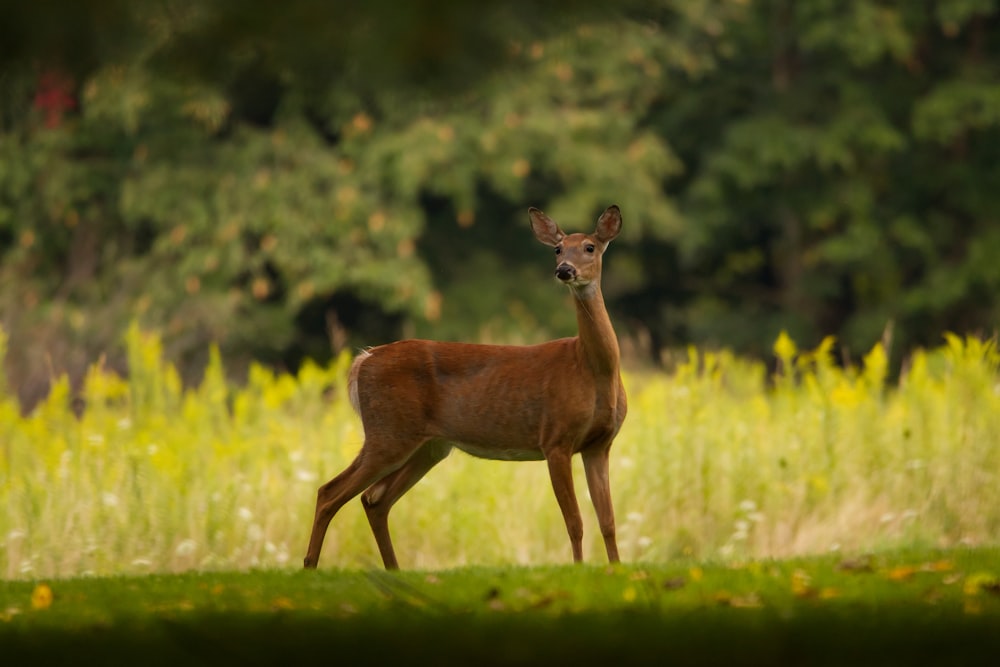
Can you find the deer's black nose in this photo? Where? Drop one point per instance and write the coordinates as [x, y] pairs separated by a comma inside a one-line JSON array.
[[565, 272]]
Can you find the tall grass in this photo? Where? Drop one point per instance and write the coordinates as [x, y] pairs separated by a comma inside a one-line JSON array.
[[714, 460]]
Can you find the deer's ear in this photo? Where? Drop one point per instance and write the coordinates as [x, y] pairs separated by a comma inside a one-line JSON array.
[[545, 229], [609, 224]]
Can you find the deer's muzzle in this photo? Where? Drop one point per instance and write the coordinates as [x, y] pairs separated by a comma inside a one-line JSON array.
[[565, 272]]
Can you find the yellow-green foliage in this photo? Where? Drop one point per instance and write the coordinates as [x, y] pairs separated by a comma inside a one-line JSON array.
[[715, 460]]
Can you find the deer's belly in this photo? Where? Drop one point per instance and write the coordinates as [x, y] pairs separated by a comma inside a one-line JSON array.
[[500, 453]]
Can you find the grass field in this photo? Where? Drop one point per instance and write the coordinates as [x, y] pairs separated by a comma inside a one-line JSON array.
[[716, 460], [817, 516], [905, 607]]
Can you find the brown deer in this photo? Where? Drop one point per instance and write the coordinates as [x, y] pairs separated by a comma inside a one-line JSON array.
[[418, 399]]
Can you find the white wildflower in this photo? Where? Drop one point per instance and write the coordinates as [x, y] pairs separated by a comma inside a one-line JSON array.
[[304, 475], [748, 506], [186, 548]]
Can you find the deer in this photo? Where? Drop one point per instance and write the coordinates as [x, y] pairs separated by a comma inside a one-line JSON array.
[[419, 399]]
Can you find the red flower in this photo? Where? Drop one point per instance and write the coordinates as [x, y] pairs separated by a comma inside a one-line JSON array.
[[54, 96]]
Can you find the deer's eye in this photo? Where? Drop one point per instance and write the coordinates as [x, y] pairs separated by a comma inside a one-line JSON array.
[[558, 250], [590, 248]]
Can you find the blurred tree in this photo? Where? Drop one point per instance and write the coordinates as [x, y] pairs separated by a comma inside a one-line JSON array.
[[291, 178], [840, 163], [233, 172]]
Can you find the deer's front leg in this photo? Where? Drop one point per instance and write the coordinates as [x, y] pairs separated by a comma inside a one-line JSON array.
[[595, 463], [561, 474]]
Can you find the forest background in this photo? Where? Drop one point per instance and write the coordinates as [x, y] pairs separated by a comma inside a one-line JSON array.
[[292, 179]]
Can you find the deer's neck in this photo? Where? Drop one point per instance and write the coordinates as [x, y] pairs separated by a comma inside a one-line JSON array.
[[597, 342]]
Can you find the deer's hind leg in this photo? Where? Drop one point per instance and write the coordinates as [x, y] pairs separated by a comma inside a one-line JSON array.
[[383, 494], [371, 465]]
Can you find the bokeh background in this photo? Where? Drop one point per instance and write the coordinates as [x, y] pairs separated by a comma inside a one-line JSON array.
[[292, 179], [207, 205]]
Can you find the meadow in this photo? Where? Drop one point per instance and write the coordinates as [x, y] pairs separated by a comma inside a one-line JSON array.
[[719, 460], [906, 607]]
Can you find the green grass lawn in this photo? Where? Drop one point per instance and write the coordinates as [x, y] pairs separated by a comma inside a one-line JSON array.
[[930, 607]]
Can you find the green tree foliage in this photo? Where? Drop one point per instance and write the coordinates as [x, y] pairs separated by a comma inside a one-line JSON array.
[[284, 178], [843, 180]]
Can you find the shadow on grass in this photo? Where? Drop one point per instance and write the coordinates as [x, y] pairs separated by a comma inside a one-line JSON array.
[[822, 636]]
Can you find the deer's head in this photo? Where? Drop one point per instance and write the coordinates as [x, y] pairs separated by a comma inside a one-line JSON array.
[[578, 256]]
